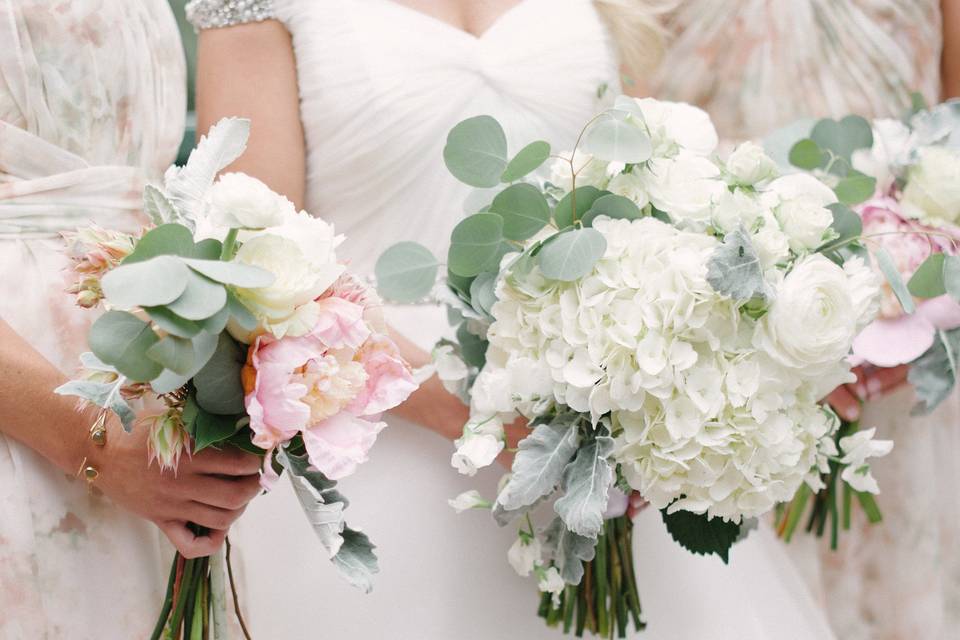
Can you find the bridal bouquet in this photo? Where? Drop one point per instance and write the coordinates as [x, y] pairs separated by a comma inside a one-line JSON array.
[[667, 323], [232, 315], [902, 178]]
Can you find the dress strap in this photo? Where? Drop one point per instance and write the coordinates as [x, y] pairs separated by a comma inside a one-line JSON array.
[[213, 14]]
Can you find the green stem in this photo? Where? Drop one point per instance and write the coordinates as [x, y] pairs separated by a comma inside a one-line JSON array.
[[870, 507], [602, 584], [178, 611], [847, 499], [167, 603], [569, 606], [229, 245], [626, 550], [834, 515], [197, 622]]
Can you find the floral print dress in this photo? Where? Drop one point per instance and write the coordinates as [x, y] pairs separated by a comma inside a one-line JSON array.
[[757, 65], [92, 100]]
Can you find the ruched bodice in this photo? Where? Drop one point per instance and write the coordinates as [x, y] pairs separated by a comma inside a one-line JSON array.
[[381, 84]]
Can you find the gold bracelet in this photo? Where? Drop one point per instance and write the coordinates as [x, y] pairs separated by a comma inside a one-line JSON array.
[[89, 472], [98, 430]]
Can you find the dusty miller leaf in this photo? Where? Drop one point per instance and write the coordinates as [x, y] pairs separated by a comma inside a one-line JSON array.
[[103, 394], [570, 551], [538, 467], [934, 374], [586, 483], [734, 269]]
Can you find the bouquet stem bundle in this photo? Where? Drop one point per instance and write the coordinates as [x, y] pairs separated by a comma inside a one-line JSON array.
[[607, 599]]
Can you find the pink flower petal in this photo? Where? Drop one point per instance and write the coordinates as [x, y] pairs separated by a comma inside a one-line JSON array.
[[340, 324], [389, 380], [942, 312], [338, 445], [892, 342]]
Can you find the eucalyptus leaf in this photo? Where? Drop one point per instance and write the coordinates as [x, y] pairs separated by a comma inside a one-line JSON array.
[[612, 206], [890, 272], [157, 207], [539, 464], [154, 282], [572, 254], [233, 273], [475, 244], [172, 323], [928, 281], [121, 339], [240, 314], [855, 188], [217, 322], [207, 249], [473, 348], [734, 269], [528, 159], [843, 137], [173, 353], [846, 224], [406, 272], [482, 292], [106, 395], [218, 383], [168, 381], [570, 550], [806, 154], [204, 344], [201, 299], [934, 374], [476, 151], [524, 210], [586, 483], [701, 535], [581, 197], [951, 276], [615, 136], [166, 240]]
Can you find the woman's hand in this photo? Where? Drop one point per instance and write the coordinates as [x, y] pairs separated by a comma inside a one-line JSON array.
[[872, 382], [211, 488]]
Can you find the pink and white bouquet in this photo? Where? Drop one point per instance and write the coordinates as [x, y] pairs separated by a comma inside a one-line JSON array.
[[230, 322]]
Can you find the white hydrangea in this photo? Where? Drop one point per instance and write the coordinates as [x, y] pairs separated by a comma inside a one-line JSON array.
[[590, 171]]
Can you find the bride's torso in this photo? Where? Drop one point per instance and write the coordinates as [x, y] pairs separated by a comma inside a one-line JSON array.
[[381, 84]]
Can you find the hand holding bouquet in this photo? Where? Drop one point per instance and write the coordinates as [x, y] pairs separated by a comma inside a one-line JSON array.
[[230, 321]]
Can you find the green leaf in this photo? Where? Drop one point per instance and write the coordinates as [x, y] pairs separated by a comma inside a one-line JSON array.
[[202, 298], [473, 348], [563, 213], [475, 244], [204, 344], [234, 273], [701, 535], [524, 211], [734, 269], [217, 322], [934, 374], [615, 136], [172, 323], [406, 272], [951, 276], [106, 395], [210, 429], [156, 205], [165, 240], [889, 270], [572, 254], [476, 151], [806, 154], [151, 283], [843, 137], [612, 206], [928, 280], [356, 561], [570, 551], [208, 249], [240, 314], [121, 339], [539, 464], [855, 188], [218, 383], [482, 292], [528, 159], [175, 354], [586, 483], [846, 224]]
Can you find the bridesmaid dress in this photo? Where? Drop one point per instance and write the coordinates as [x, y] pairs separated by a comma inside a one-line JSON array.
[[380, 86], [92, 100], [757, 65]]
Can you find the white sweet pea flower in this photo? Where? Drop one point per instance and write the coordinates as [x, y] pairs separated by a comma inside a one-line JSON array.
[[492, 391], [857, 448], [239, 201], [524, 555], [481, 443], [748, 165], [469, 500], [685, 186], [802, 209], [450, 368], [677, 126], [551, 582], [630, 186], [932, 194], [590, 171]]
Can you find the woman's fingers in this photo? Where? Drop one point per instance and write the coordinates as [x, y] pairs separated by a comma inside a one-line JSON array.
[[229, 462], [221, 492], [207, 516], [845, 404], [188, 543]]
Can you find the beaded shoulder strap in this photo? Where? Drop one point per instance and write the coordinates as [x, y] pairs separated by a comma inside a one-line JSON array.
[[213, 14]]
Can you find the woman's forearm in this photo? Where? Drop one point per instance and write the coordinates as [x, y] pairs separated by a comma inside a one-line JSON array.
[[31, 412], [950, 57]]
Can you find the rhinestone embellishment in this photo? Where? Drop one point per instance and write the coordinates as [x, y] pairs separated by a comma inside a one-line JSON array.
[[213, 14]]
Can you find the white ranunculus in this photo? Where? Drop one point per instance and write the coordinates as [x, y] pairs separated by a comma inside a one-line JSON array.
[[551, 582], [239, 201], [315, 238], [802, 209], [748, 165], [524, 555], [630, 186], [892, 141], [469, 500], [737, 208], [932, 193], [685, 186], [813, 319], [591, 171], [676, 126], [450, 368], [772, 245], [481, 443], [857, 448]]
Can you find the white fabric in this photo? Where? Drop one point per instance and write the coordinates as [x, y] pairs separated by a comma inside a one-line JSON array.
[[380, 87]]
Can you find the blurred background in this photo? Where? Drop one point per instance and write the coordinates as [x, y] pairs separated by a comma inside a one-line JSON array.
[[190, 48]]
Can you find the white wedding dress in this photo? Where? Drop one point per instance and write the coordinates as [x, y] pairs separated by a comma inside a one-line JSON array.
[[380, 86]]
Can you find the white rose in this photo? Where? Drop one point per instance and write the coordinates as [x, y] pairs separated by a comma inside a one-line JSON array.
[[737, 208], [772, 245], [481, 443], [802, 210], [551, 582], [239, 201], [469, 500], [932, 193], [685, 187], [890, 151], [591, 171], [748, 165], [856, 449], [676, 126], [630, 186], [813, 319], [450, 367], [524, 555]]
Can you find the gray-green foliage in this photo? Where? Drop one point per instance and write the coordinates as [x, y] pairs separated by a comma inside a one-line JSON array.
[[406, 272], [476, 151], [734, 269], [539, 464], [586, 483], [934, 374], [570, 550], [571, 254]]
